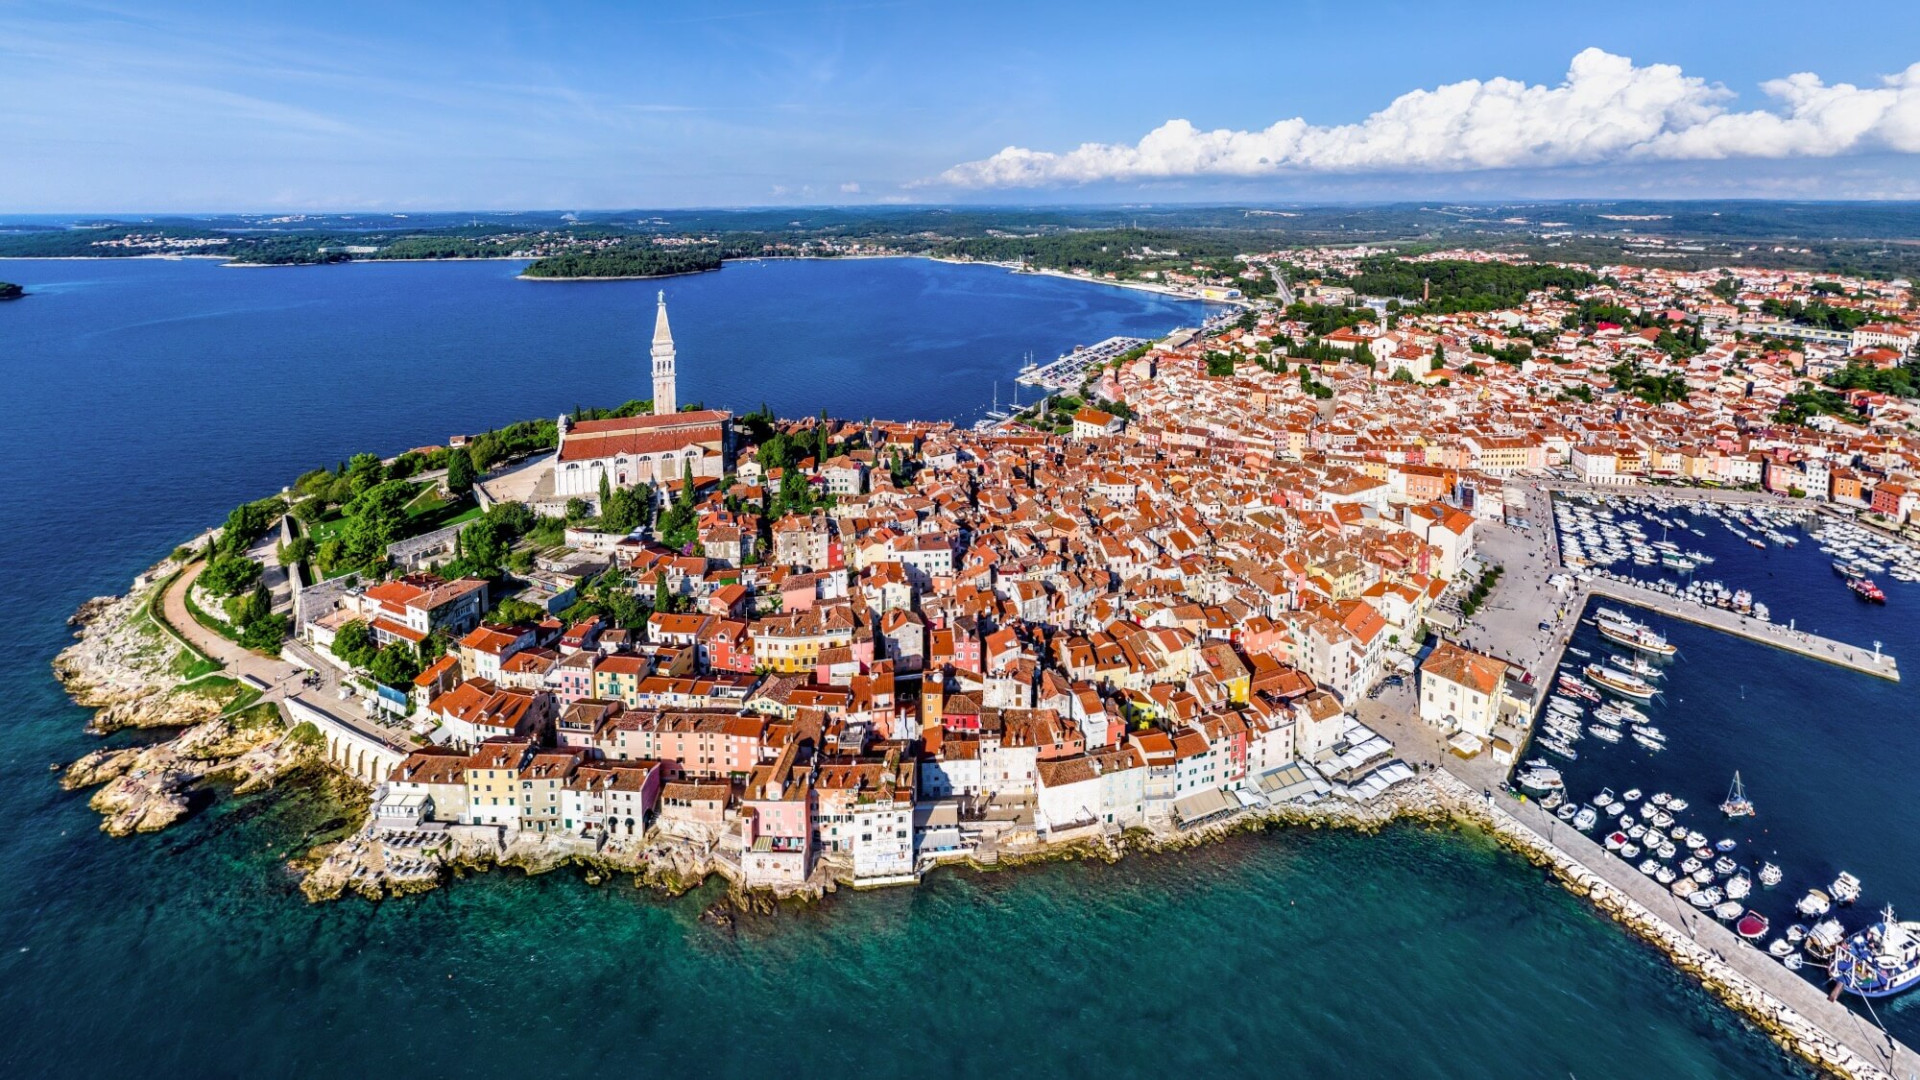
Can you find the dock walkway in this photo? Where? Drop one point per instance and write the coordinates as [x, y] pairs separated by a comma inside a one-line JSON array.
[[1866, 661], [1719, 951]]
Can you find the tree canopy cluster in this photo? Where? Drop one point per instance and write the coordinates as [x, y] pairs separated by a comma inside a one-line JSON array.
[[1650, 388], [636, 258], [1460, 284]]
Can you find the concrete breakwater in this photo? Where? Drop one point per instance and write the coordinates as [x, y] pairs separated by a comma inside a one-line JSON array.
[[1866, 661], [1790, 1010]]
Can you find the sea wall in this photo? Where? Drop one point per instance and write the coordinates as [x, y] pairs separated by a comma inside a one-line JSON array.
[[1786, 1025]]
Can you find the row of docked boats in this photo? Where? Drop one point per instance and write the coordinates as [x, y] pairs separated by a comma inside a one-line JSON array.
[[1577, 518], [1576, 709], [1859, 552], [1876, 961]]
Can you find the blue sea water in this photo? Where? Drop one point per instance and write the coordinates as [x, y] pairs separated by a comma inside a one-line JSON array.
[[145, 398], [1826, 754]]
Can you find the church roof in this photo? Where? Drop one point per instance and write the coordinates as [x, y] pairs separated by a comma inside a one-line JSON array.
[[643, 434]]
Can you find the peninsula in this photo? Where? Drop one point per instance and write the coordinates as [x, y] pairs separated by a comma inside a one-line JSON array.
[[1224, 580]]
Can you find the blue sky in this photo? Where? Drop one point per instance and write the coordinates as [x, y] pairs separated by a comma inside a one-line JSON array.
[[246, 106]]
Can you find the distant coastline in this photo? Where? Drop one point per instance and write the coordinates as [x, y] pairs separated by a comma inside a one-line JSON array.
[[225, 260]]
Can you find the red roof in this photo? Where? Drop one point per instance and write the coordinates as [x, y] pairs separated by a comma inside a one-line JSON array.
[[642, 434]]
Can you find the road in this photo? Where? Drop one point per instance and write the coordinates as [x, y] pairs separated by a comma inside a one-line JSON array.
[[283, 679]]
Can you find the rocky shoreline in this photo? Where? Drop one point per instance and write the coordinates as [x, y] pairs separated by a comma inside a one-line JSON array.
[[126, 666], [130, 670]]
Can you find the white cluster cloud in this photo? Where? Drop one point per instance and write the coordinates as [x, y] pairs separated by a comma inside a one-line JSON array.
[[1607, 111]]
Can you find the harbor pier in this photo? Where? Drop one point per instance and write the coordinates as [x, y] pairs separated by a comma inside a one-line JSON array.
[[1865, 661], [1792, 1010]]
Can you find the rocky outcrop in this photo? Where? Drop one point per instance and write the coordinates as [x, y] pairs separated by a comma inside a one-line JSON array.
[[146, 787], [120, 654]]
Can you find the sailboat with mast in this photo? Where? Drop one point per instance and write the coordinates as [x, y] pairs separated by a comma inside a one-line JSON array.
[[1737, 804]]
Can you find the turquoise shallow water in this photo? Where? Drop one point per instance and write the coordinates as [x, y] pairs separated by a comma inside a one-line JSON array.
[[149, 398]]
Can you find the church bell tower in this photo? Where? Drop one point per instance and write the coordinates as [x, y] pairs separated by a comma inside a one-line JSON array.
[[665, 403]]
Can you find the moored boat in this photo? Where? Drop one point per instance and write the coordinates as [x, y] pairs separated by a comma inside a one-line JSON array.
[[1845, 889], [1737, 805], [1881, 960], [1815, 904], [1619, 682], [1769, 875], [1634, 635]]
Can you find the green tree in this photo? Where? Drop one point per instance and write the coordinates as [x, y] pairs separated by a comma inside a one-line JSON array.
[[364, 472], [228, 575], [662, 599], [514, 610], [354, 643], [299, 549], [395, 666], [375, 518], [460, 474], [249, 606], [265, 633]]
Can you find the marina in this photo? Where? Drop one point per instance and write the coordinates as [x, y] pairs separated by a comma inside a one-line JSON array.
[[1069, 370], [1789, 910]]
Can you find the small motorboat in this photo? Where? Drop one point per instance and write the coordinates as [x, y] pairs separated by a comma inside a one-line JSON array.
[[1616, 840], [1696, 839], [1631, 794], [1845, 889], [1679, 832], [1649, 866], [1724, 866], [1770, 875], [1738, 886], [1667, 850], [1665, 875], [1685, 887], [1705, 898], [1566, 811], [1779, 948], [1585, 818], [1690, 865], [1702, 875], [1629, 850], [1792, 962], [1676, 805], [1726, 910], [1725, 845], [1752, 926], [1815, 904], [1797, 932]]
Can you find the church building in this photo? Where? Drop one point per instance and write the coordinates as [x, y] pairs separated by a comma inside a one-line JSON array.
[[631, 450]]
